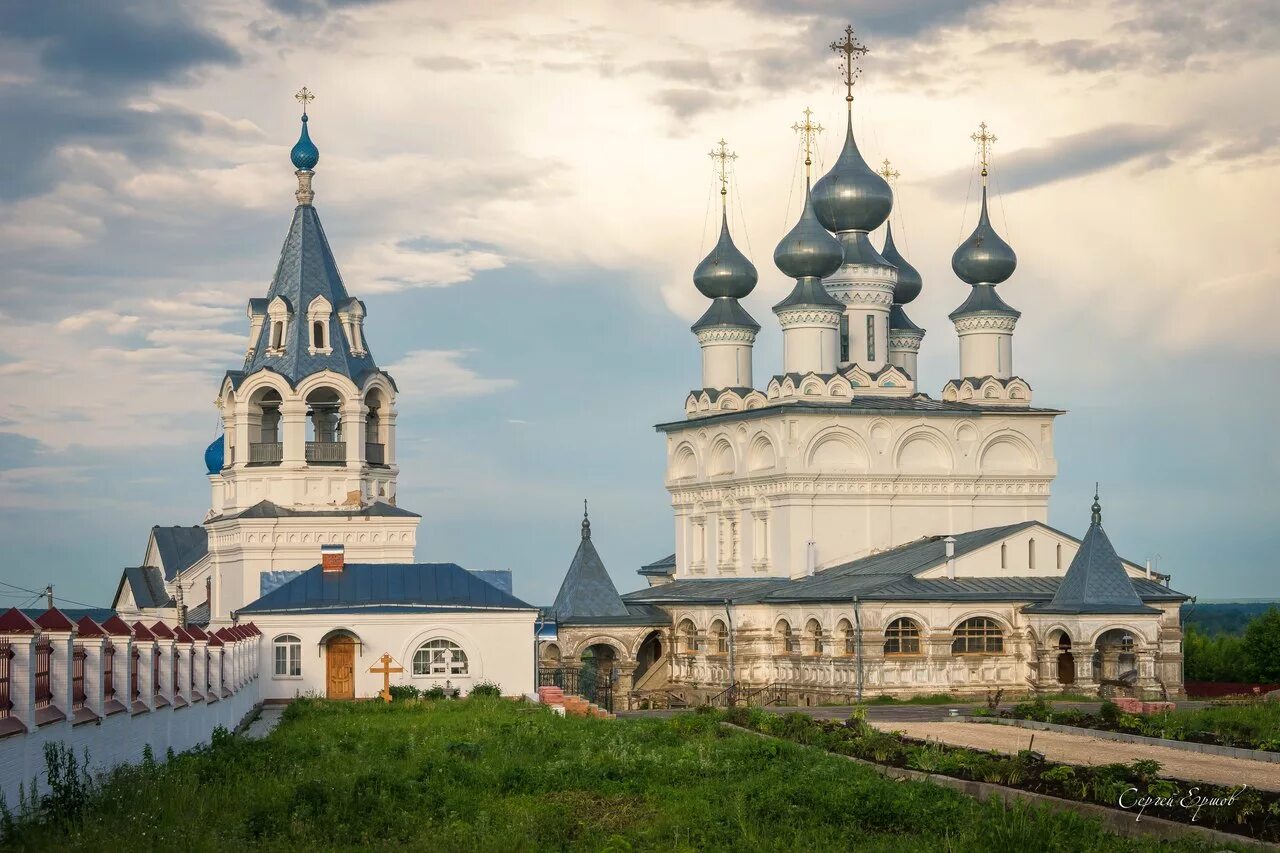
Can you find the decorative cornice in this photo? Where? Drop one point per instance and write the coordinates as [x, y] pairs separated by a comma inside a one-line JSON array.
[[686, 494], [791, 317], [726, 334], [909, 341], [985, 323], [864, 297]]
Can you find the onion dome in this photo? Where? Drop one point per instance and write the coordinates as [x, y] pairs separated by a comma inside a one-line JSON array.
[[984, 258], [305, 154], [909, 281], [725, 271], [808, 250], [726, 311], [852, 197], [215, 456]]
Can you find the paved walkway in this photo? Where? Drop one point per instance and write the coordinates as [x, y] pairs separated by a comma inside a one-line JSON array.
[[900, 713], [1079, 749], [267, 720]]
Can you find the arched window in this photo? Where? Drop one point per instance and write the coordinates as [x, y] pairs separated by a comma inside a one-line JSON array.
[[288, 656], [902, 637], [786, 642], [1031, 553], [1058, 558], [688, 637], [813, 632], [849, 641], [317, 334], [720, 636], [1004, 555], [978, 636], [277, 334], [439, 657]]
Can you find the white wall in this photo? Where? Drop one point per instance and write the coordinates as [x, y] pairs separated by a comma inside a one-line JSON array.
[[499, 647]]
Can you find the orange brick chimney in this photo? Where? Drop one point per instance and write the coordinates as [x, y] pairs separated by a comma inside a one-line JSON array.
[[332, 558]]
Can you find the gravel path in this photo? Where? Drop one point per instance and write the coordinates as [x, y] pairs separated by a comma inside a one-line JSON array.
[[1077, 749]]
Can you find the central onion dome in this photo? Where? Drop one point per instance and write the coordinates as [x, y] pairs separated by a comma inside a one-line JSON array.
[[808, 250], [984, 258], [305, 155], [725, 271], [852, 197], [909, 281]]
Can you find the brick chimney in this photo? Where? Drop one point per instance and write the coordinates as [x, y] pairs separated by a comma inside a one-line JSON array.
[[332, 558]]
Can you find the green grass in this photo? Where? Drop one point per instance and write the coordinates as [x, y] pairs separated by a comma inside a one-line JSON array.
[[1253, 726], [486, 774]]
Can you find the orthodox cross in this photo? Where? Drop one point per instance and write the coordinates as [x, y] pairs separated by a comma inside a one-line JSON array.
[[305, 96], [889, 173], [985, 141], [851, 51], [386, 660], [809, 133], [723, 158]]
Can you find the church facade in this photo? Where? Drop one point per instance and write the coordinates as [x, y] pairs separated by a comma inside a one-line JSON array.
[[304, 535], [838, 532]]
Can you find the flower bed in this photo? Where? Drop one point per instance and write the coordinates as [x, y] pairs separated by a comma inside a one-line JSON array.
[[1254, 726], [1249, 812]]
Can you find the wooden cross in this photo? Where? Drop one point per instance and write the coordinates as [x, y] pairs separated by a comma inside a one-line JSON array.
[[984, 140], [809, 133], [853, 51], [386, 660]]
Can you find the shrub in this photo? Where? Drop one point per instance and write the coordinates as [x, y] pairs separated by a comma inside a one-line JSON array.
[[486, 688], [1110, 713], [1037, 709], [401, 692]]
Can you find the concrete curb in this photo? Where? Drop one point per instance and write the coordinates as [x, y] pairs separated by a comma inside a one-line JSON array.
[[1187, 746], [1115, 820]]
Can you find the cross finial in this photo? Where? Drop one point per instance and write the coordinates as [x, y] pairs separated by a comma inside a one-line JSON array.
[[305, 96], [586, 522], [809, 134], [723, 158], [851, 52], [889, 173], [1097, 507], [985, 140]]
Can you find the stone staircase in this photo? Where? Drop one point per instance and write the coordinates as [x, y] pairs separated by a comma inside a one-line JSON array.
[[573, 705]]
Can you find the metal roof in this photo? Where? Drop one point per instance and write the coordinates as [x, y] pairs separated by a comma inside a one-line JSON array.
[[726, 311], [1096, 581], [587, 594], [180, 547], [359, 585], [267, 509], [661, 568], [146, 584]]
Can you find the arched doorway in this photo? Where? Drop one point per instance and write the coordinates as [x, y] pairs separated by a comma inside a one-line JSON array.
[[650, 652], [598, 673], [1114, 657], [1066, 660], [340, 667]]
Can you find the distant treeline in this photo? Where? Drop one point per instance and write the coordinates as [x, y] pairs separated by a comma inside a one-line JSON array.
[[1224, 617], [1243, 653]]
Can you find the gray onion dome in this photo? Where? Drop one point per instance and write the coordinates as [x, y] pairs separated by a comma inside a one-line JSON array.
[[909, 281], [808, 250], [852, 197], [725, 271], [984, 258]]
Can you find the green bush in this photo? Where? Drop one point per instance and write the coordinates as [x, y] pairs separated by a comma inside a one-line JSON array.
[[486, 688], [401, 692]]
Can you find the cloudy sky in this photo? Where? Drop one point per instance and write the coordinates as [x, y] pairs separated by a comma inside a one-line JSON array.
[[519, 191]]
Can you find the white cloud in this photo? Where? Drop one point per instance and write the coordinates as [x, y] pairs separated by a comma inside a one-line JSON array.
[[426, 376]]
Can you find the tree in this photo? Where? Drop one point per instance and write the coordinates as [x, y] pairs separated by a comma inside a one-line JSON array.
[[1262, 647]]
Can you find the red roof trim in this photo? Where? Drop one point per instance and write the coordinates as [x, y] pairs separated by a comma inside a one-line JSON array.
[[14, 621], [54, 619], [224, 635], [162, 631], [215, 641], [117, 627], [86, 627], [180, 634], [253, 630], [142, 632], [197, 633]]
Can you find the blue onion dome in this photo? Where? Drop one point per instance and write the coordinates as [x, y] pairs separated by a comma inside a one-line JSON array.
[[725, 271], [305, 154], [215, 456], [984, 258], [852, 197], [808, 250], [909, 281]]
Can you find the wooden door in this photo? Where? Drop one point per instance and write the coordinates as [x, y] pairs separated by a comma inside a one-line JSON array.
[[340, 665]]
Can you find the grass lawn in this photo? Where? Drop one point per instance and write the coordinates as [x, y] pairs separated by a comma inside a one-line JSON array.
[[1252, 726], [485, 774]]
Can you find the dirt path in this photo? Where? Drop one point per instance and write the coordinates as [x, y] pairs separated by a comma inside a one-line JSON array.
[[1077, 749]]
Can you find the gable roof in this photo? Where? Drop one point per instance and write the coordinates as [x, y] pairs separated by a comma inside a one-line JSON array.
[[1096, 581], [306, 270], [180, 547], [146, 584], [664, 568], [366, 586]]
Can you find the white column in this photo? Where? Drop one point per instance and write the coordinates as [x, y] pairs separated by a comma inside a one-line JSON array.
[[353, 422], [293, 429]]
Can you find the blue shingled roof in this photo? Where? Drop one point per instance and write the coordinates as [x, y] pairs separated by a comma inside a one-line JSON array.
[[146, 584], [1096, 581], [360, 586], [587, 593], [180, 547], [306, 270]]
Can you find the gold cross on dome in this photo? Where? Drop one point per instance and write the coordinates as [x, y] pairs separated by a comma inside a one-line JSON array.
[[723, 158], [985, 140], [852, 51], [889, 173], [809, 133], [305, 96]]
